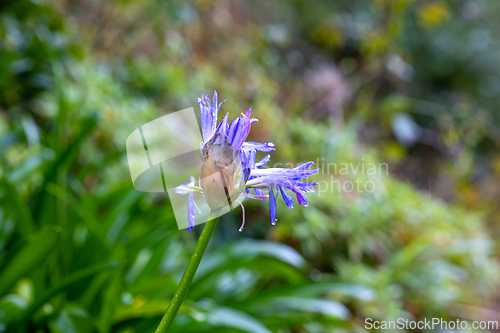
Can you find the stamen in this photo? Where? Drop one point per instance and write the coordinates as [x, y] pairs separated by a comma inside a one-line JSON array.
[[243, 211], [258, 197], [199, 211]]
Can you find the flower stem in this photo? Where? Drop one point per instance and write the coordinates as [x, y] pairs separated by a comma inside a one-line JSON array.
[[189, 273]]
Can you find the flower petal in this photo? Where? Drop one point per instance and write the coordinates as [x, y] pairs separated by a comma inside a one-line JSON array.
[[249, 112], [218, 106], [263, 162], [296, 173], [191, 217], [286, 198], [296, 186], [232, 128], [186, 188], [238, 131], [265, 147], [208, 115], [222, 128], [272, 205], [301, 198], [214, 110], [248, 161], [206, 118]]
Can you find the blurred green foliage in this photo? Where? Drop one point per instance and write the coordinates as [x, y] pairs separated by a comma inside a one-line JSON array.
[[409, 83]]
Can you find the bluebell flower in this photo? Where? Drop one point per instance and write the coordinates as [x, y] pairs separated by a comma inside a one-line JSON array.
[[228, 166]]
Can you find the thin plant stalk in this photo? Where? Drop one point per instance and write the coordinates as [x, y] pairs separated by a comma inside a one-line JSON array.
[[187, 277]]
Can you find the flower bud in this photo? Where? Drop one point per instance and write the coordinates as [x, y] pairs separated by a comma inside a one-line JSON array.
[[220, 172]]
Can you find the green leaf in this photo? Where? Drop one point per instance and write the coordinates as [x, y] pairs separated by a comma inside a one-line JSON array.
[[33, 164], [10, 307], [73, 319], [112, 293], [360, 292], [62, 161], [47, 295], [252, 248], [31, 255], [150, 308], [321, 306], [270, 259], [141, 308], [227, 317], [18, 207]]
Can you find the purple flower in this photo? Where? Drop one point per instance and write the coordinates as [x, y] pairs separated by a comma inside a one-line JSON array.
[[228, 166]]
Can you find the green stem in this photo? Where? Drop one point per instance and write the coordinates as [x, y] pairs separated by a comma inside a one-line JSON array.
[[189, 273]]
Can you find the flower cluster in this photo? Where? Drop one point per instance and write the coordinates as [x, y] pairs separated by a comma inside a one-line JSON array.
[[228, 166]]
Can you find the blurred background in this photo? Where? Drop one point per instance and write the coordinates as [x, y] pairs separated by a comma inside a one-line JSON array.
[[410, 84]]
